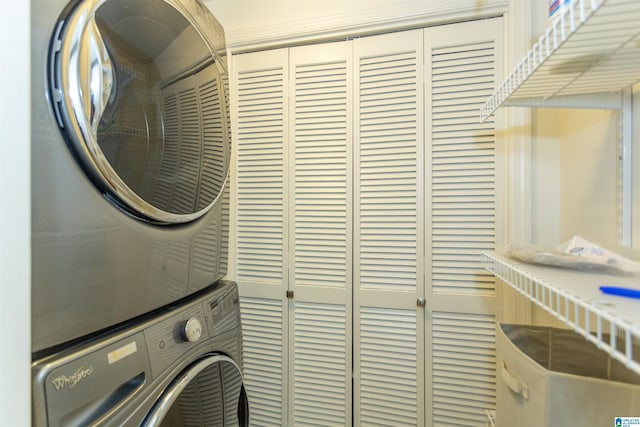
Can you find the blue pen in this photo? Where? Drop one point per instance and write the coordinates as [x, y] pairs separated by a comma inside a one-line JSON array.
[[619, 291]]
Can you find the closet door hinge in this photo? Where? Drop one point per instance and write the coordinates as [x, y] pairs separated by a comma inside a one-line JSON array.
[[290, 294]]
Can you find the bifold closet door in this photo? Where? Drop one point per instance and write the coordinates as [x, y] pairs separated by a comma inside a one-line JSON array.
[[365, 189], [294, 232], [388, 230], [462, 63], [261, 229], [320, 236]]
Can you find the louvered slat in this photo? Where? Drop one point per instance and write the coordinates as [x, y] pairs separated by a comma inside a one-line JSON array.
[[189, 146], [463, 368], [214, 153], [260, 186], [462, 168], [388, 171], [320, 173], [262, 332], [206, 390], [320, 374], [163, 190], [205, 248], [190, 173], [388, 367], [224, 231]]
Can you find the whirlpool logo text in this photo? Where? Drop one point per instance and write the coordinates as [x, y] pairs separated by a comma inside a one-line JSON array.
[[70, 381]]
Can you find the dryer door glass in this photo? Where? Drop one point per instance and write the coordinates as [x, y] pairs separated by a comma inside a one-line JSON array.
[[209, 393], [139, 91]]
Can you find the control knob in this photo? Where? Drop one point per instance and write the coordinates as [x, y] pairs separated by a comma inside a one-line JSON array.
[[191, 330]]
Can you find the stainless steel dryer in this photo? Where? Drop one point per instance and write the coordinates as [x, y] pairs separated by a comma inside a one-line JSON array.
[[180, 366], [130, 153]]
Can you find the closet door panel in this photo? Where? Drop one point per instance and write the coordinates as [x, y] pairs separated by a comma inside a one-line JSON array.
[[462, 367], [387, 368], [320, 242], [320, 385], [261, 228], [262, 126], [388, 230], [320, 167], [461, 64], [263, 334]]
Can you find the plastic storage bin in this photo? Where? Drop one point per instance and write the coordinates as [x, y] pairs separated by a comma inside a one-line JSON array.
[[550, 377]]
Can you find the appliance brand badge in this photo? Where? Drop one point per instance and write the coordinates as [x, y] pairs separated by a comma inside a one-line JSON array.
[[70, 381]]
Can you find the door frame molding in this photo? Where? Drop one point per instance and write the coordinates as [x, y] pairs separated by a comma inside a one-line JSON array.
[[395, 16]]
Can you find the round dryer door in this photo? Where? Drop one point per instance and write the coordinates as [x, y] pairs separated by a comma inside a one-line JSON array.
[[208, 393], [139, 91]]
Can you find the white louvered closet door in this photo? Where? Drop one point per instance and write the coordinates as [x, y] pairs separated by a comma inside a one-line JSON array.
[[320, 273], [260, 176], [388, 230], [461, 65]]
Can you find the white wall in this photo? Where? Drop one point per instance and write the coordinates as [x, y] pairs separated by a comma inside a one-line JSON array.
[[15, 351], [588, 178], [574, 178], [546, 177]]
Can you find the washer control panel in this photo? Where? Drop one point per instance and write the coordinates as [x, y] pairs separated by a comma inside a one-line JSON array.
[[200, 320], [132, 358], [223, 311]]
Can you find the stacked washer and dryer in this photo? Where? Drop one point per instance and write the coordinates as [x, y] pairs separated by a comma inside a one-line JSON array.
[[132, 323]]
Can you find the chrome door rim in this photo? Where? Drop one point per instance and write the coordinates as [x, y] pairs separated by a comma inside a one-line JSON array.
[[169, 397], [73, 34]]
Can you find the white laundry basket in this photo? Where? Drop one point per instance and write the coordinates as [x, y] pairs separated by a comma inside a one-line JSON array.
[[550, 377]]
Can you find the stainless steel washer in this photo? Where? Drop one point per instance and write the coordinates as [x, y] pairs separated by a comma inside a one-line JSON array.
[[130, 154], [180, 366]]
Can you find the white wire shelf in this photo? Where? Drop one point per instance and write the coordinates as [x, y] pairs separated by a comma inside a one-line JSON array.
[[592, 48], [610, 322]]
